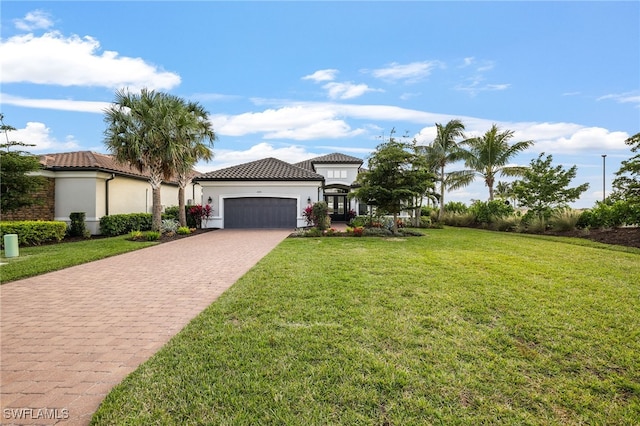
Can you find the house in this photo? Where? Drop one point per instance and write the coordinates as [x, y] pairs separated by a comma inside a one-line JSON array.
[[271, 193], [268, 193], [93, 183]]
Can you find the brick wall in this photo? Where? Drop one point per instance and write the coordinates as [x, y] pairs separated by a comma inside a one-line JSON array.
[[44, 210]]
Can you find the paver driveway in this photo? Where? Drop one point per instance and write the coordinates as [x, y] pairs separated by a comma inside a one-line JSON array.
[[69, 336]]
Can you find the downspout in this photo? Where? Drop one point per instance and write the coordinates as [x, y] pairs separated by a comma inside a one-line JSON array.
[[106, 195]]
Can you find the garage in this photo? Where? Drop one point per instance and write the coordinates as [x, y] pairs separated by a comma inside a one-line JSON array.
[[260, 212]]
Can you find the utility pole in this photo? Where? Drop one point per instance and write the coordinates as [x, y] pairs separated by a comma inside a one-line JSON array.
[[604, 191]]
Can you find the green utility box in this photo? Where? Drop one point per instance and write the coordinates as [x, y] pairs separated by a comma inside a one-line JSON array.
[[11, 245]]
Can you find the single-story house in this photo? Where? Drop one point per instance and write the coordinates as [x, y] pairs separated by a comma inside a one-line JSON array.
[[93, 183], [271, 193], [268, 193]]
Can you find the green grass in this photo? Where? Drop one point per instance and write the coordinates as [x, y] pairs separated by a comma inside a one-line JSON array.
[[41, 259], [458, 327]]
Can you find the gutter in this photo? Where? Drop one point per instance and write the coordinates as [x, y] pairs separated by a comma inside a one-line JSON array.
[[106, 195]]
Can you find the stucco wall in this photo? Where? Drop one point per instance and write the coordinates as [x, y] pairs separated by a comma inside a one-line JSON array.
[[218, 191]]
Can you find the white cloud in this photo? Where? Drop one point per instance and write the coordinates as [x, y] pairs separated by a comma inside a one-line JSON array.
[[55, 104], [227, 158], [347, 90], [295, 122], [75, 61], [322, 75], [627, 97], [594, 139], [411, 72], [39, 135], [475, 85], [34, 20]]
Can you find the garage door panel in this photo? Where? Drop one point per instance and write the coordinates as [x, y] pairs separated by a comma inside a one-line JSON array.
[[260, 212]]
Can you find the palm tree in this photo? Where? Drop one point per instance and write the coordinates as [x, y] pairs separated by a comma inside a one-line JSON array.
[[192, 129], [142, 131], [445, 150], [488, 155]]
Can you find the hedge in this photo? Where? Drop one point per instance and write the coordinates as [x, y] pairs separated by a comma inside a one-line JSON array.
[[33, 232], [120, 224]]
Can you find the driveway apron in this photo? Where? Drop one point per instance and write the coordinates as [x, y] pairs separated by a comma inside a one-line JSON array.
[[68, 337]]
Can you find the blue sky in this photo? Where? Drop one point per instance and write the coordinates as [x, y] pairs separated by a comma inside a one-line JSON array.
[[294, 80]]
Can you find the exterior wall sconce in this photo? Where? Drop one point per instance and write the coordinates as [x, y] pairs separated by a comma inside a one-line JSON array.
[[308, 200], [209, 200]]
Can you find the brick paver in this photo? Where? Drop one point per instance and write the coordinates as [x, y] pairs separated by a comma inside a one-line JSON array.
[[69, 336]]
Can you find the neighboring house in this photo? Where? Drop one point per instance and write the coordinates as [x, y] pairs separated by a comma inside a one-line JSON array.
[[271, 193], [97, 185]]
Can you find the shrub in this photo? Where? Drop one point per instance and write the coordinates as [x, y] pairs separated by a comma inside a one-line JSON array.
[[506, 224], [358, 231], [536, 225], [564, 219], [136, 235], [171, 213], [33, 233], [376, 232], [610, 215], [459, 219], [77, 228], [152, 235], [485, 212], [320, 212], [169, 225], [196, 214], [183, 230], [120, 224], [456, 207]]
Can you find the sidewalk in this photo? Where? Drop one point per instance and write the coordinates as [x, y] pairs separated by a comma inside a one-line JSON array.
[[69, 336]]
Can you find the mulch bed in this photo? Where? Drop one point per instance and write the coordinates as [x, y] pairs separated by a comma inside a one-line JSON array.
[[629, 237]]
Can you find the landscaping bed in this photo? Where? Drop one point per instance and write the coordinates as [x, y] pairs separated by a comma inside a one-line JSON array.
[[629, 237]]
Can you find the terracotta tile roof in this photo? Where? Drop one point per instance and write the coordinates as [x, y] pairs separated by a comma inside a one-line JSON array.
[[88, 160], [267, 169]]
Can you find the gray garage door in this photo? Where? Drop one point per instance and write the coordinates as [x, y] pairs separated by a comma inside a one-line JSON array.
[[260, 213]]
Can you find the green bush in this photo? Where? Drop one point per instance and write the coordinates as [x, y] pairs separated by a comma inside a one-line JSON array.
[[171, 213], [610, 215], [459, 219], [506, 224], [120, 224], [456, 207], [33, 233], [152, 235], [183, 230], [77, 228], [486, 212]]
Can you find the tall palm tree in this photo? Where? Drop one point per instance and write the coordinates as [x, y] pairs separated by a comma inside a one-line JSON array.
[[193, 129], [445, 150], [488, 156], [141, 131]]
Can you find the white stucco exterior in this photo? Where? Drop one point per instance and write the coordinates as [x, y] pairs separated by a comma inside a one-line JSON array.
[[86, 191], [219, 191]]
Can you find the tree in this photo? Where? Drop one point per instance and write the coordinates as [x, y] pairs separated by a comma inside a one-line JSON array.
[[489, 155], [392, 181], [146, 131], [544, 188], [192, 129], [17, 185], [627, 182], [504, 191], [445, 150]]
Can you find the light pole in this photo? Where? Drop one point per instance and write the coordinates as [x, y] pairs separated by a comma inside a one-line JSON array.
[[604, 192]]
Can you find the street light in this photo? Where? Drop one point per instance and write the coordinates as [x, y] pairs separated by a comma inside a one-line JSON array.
[[604, 192]]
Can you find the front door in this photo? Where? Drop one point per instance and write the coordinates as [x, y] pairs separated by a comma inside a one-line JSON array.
[[337, 207]]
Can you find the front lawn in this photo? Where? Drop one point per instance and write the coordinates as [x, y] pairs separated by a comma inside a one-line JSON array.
[[52, 257], [458, 327]]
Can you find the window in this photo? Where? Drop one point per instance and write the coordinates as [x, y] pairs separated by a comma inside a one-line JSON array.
[[336, 174]]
